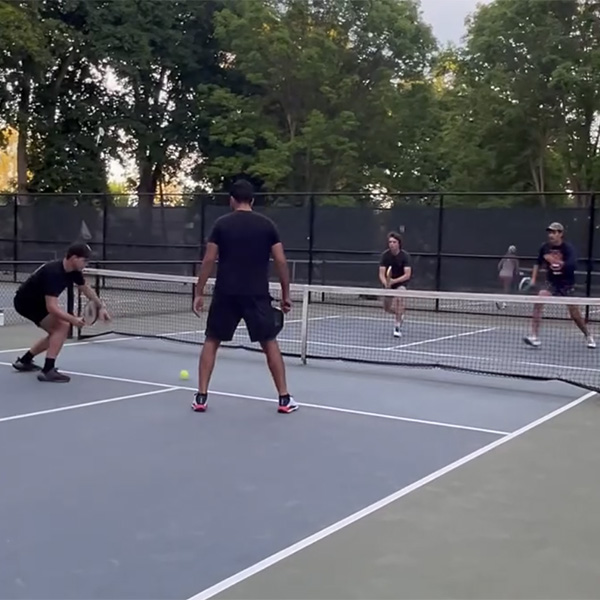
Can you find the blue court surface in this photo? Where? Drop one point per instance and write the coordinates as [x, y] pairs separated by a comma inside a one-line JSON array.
[[112, 488]]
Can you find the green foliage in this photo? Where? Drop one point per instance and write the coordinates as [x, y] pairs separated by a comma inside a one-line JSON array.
[[524, 105], [327, 93], [341, 97]]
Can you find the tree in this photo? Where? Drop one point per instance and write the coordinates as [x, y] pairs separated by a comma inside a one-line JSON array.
[[159, 53], [525, 100], [329, 90]]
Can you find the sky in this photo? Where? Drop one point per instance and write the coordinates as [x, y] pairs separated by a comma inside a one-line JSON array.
[[447, 17]]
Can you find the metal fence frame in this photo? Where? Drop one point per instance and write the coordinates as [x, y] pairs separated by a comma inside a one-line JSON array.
[[437, 200]]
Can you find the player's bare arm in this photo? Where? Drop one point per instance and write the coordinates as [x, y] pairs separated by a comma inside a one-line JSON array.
[[206, 268], [55, 310], [281, 267], [407, 275], [382, 276]]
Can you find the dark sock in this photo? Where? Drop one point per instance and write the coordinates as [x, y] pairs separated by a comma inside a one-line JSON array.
[[27, 357], [283, 400], [48, 365]]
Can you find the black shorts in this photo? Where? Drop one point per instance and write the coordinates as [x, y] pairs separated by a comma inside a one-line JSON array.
[[560, 290], [226, 312], [404, 284], [35, 312]]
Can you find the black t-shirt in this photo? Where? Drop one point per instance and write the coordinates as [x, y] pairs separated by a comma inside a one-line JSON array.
[[399, 262], [564, 252], [50, 279], [245, 239]]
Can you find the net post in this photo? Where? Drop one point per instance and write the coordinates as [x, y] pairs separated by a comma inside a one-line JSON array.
[[304, 324], [15, 236], [70, 308], [97, 283], [440, 240], [590, 252], [311, 237]]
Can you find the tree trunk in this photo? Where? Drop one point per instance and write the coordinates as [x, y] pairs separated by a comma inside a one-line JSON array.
[[23, 132]]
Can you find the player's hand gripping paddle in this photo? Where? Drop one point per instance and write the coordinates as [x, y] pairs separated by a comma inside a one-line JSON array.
[[279, 313], [279, 319], [90, 315]]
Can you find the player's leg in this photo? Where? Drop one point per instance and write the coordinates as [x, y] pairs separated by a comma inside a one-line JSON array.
[[532, 339], [223, 318], [58, 331], [26, 361], [260, 322], [577, 317], [388, 305], [399, 311], [506, 282], [34, 313]]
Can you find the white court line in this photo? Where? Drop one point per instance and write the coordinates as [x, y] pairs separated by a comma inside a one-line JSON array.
[[500, 360], [84, 343], [50, 411], [365, 512], [435, 323], [440, 339], [168, 387], [136, 337]]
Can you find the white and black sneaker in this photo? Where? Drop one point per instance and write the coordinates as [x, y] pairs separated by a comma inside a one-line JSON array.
[[287, 405], [532, 340], [591, 342]]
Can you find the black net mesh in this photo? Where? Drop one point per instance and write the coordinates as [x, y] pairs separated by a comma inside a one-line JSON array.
[[480, 333]]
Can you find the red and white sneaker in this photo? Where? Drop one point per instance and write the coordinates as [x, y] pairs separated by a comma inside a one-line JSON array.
[[287, 405]]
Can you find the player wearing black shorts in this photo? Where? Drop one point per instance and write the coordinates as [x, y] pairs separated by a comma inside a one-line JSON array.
[[37, 300], [395, 271], [559, 259], [244, 241]]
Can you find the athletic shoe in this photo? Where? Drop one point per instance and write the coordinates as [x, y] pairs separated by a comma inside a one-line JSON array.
[[200, 403], [591, 343], [53, 376], [532, 341], [397, 331], [287, 405], [25, 367]]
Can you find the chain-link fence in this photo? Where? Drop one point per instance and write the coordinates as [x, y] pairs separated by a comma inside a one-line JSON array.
[[455, 240]]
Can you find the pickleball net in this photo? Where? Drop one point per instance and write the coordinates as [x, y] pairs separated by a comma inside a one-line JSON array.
[[469, 332]]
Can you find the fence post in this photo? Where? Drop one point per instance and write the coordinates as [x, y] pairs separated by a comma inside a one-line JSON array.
[[70, 308], [202, 225], [440, 240], [104, 228], [590, 251], [15, 236], [311, 237]]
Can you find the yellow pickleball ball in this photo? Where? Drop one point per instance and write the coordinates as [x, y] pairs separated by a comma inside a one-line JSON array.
[[184, 374]]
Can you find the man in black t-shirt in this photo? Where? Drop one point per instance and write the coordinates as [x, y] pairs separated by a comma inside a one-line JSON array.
[[560, 261], [244, 242], [395, 271], [37, 300]]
